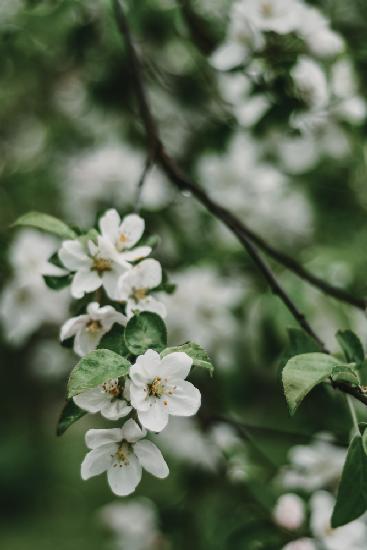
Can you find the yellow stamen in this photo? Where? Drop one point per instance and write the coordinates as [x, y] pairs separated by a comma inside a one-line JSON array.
[[139, 294], [156, 388], [101, 264], [93, 326]]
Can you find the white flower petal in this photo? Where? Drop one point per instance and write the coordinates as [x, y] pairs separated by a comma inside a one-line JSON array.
[[123, 479], [147, 274], [95, 438], [176, 365], [98, 461], [91, 400], [138, 396], [86, 342], [150, 457], [136, 253], [185, 401], [73, 255], [132, 229], [84, 281], [115, 409], [109, 225], [146, 365], [110, 281], [132, 432], [146, 304], [71, 326], [156, 417]]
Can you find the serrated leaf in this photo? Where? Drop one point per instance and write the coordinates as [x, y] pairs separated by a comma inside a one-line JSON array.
[[197, 353], [47, 223], [302, 373], [96, 368], [351, 501], [114, 340], [351, 346], [346, 373], [70, 414], [57, 283], [146, 330]]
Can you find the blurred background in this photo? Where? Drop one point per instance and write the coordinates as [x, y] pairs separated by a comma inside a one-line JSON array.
[[286, 151]]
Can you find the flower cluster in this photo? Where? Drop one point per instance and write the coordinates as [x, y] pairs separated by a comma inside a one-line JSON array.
[[118, 337], [261, 33]]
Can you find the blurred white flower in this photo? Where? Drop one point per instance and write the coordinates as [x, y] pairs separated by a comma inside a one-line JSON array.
[[289, 511], [310, 82], [135, 286], [124, 234], [200, 309], [301, 544], [26, 303], [109, 174], [315, 30], [352, 536], [349, 105], [158, 388], [109, 399], [94, 265], [314, 466], [279, 16], [89, 328], [122, 452], [133, 523], [49, 360]]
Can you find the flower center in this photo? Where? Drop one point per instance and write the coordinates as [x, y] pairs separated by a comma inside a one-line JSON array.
[[121, 241], [101, 264], [156, 388], [266, 9], [139, 294], [112, 387], [93, 326], [122, 454]]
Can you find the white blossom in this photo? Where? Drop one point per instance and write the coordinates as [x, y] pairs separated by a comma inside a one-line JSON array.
[[301, 544], [315, 30], [314, 466], [94, 266], [158, 388], [124, 234], [289, 511], [135, 286], [279, 16], [122, 452], [310, 82], [110, 399], [352, 536], [133, 523], [89, 328]]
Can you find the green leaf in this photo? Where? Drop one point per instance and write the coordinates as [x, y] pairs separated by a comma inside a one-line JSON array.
[[114, 341], [96, 368], [196, 352], [299, 342], [58, 283], [302, 373], [351, 346], [346, 373], [362, 427], [70, 414], [91, 235], [144, 331], [351, 501], [38, 220]]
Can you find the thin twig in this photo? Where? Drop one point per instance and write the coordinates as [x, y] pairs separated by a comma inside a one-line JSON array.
[[246, 236], [139, 188]]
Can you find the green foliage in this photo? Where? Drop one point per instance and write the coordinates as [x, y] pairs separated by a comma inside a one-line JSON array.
[[70, 414], [346, 373], [144, 331], [96, 368], [47, 223], [197, 353], [352, 494], [57, 283], [351, 346], [302, 373], [299, 342], [114, 340]]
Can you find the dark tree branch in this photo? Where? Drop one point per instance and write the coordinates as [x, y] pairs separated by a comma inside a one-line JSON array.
[[199, 32], [245, 235]]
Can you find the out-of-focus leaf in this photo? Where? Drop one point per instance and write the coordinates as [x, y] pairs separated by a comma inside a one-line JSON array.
[[47, 223]]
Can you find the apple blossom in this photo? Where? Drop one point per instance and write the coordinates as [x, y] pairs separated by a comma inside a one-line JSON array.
[[122, 452], [110, 399], [134, 288], [89, 328], [94, 266], [124, 235], [158, 388]]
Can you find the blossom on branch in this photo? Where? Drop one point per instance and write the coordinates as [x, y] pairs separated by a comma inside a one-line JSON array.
[[110, 399]]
